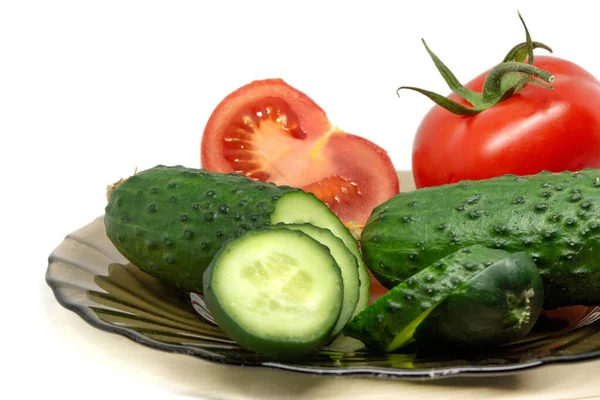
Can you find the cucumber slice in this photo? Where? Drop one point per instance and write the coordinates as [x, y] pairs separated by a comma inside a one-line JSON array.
[[277, 292], [495, 307], [344, 259], [301, 207], [390, 322]]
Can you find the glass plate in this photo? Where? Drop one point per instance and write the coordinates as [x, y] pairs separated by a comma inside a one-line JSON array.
[[90, 277]]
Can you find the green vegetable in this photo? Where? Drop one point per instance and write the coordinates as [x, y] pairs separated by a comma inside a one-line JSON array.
[[344, 259], [554, 217], [170, 221], [390, 322], [497, 306], [275, 291]]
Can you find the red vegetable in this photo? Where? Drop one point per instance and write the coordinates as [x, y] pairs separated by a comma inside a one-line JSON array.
[[522, 131], [270, 131]]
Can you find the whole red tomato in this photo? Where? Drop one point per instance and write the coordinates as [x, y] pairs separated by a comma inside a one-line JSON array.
[[533, 129], [536, 129]]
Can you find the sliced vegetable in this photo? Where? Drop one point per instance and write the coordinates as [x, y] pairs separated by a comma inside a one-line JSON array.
[[292, 209], [390, 322], [348, 267], [277, 292], [270, 131], [497, 306]]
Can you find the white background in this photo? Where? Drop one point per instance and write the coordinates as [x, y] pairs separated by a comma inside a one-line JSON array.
[[89, 90]]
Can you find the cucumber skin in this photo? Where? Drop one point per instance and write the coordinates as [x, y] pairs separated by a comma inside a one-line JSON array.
[[475, 314], [378, 324], [287, 350], [554, 217], [170, 221]]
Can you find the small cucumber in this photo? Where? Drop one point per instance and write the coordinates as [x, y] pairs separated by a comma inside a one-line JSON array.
[[344, 259], [497, 306], [390, 322], [277, 292], [170, 221]]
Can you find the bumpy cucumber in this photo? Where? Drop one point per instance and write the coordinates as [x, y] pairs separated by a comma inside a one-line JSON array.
[[170, 221], [275, 291], [344, 259], [554, 217], [390, 322], [497, 306]]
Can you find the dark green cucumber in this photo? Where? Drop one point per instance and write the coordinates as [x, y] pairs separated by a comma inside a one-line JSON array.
[[275, 291], [390, 322], [170, 221], [344, 259], [554, 217], [497, 306]]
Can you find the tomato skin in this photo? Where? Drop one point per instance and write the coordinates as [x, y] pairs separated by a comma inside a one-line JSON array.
[[534, 130], [271, 131]]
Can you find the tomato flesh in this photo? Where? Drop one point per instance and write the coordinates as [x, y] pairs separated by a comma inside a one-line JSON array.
[[361, 174], [260, 136], [269, 131], [334, 190], [263, 143]]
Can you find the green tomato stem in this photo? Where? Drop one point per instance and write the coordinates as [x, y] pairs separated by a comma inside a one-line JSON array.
[[453, 83], [502, 82], [492, 88], [519, 52]]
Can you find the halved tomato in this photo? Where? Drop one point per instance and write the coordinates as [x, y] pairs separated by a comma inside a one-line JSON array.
[[270, 131]]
